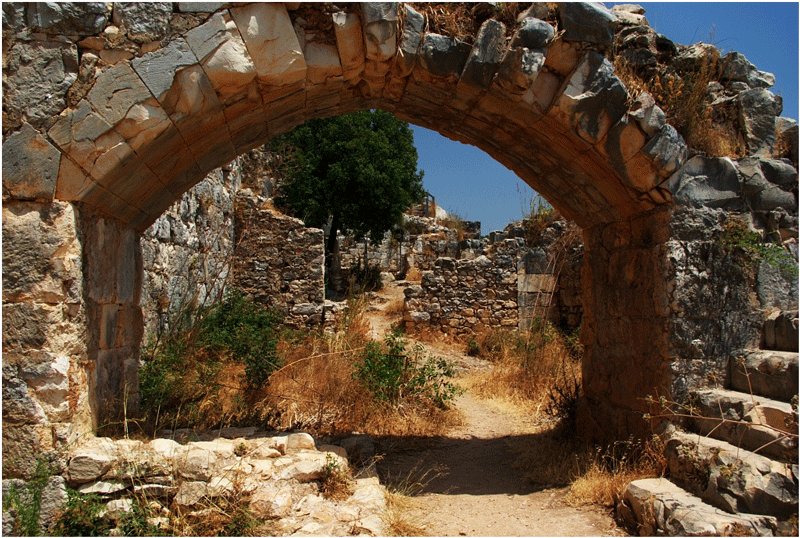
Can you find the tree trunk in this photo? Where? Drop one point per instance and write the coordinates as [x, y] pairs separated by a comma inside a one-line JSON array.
[[333, 267]]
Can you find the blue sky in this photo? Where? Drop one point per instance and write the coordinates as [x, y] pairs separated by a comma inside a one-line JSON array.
[[467, 181]]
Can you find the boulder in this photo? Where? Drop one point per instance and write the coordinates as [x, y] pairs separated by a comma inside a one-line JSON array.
[[91, 461]]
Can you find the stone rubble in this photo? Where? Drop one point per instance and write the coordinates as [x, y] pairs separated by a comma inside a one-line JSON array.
[[275, 477]]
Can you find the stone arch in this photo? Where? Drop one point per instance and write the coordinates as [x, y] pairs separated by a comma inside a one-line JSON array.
[[546, 105]]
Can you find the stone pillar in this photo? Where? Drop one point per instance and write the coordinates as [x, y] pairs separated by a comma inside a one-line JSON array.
[[46, 402], [626, 324], [112, 261]]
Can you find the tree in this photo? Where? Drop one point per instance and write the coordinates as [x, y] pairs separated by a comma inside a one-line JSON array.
[[356, 173]]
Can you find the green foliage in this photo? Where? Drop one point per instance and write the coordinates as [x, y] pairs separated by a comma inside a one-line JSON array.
[[748, 245], [391, 374], [244, 329], [82, 516], [184, 365], [26, 502], [357, 172], [473, 348], [134, 523]]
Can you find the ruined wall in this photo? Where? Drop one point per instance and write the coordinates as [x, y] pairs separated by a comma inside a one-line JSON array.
[[187, 252], [278, 261], [418, 243], [468, 295]]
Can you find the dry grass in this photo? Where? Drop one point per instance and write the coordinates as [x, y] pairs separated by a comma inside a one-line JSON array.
[[414, 274], [613, 468], [397, 519], [529, 368], [316, 389], [684, 100], [395, 307]]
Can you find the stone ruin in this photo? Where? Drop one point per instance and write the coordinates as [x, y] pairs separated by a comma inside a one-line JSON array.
[[107, 112]]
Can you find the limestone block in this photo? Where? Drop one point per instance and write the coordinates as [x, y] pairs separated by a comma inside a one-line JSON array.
[[41, 254], [443, 56], [323, 63], [30, 165], [190, 493], [738, 480], [519, 70], [166, 447], [349, 44], [380, 30], [757, 111], [102, 487], [36, 78], [196, 464], [533, 34], [736, 68], [667, 149], [68, 17], [410, 41], [144, 22], [158, 69], [587, 22], [709, 182], [272, 42], [199, 7], [594, 98], [47, 378], [300, 441], [656, 505], [485, 56], [91, 461], [305, 467], [272, 500]]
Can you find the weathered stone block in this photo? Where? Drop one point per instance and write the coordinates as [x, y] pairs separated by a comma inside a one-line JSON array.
[[443, 56], [272, 41], [533, 34], [30, 165], [68, 17], [144, 22], [36, 78], [485, 56], [380, 29], [587, 22], [349, 44], [410, 40]]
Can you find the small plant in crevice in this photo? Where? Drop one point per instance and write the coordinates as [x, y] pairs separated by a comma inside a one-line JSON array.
[[748, 247], [83, 516], [336, 482], [25, 502]]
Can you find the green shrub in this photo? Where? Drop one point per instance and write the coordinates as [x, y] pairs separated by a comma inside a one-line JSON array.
[[748, 245], [82, 516], [185, 367], [391, 374], [473, 348], [135, 522], [245, 330], [25, 503]]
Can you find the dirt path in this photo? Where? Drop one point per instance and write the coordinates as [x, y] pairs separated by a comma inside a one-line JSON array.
[[465, 483]]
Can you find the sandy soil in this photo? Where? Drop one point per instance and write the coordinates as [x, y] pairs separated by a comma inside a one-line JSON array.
[[465, 482]]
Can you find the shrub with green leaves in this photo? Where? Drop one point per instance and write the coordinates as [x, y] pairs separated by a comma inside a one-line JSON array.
[[750, 248], [82, 516], [183, 367], [392, 374], [25, 503]]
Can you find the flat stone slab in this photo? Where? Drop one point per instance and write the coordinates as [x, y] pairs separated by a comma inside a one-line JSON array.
[[748, 421], [656, 506], [766, 373]]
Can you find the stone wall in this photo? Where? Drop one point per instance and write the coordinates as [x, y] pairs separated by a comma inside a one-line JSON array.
[[418, 243], [187, 252], [278, 261], [464, 296]]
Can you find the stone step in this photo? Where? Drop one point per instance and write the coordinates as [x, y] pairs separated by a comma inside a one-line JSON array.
[[731, 478], [780, 331], [657, 507], [768, 373], [767, 427]]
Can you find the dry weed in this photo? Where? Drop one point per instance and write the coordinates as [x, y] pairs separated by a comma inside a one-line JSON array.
[[684, 100], [395, 307], [414, 274], [397, 519]]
